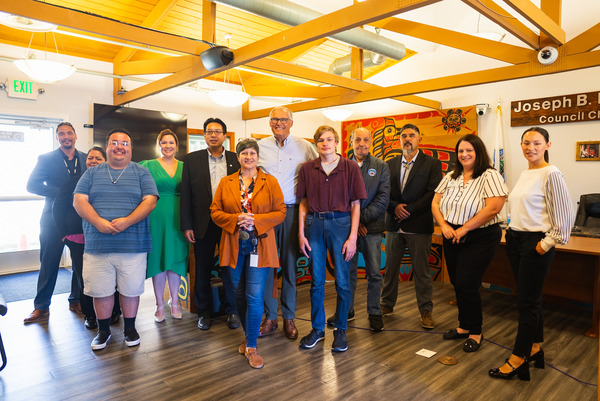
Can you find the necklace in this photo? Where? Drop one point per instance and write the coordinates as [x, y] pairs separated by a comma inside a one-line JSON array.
[[110, 175]]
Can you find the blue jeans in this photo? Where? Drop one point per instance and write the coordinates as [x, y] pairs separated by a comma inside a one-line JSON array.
[[249, 286], [370, 247], [328, 235]]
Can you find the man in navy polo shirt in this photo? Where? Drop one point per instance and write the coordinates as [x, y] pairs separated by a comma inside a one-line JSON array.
[[328, 221]]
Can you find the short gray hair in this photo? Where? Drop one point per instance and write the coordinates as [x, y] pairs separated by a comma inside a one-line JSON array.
[[288, 111]]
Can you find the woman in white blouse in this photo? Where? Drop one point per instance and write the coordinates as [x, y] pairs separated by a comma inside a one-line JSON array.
[[466, 206], [541, 217]]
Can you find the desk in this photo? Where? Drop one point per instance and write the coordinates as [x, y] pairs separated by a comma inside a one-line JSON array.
[[574, 274]]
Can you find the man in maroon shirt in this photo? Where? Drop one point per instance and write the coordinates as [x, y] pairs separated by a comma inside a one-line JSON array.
[[328, 221]]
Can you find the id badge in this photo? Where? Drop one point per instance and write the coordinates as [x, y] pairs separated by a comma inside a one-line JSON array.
[[254, 259]]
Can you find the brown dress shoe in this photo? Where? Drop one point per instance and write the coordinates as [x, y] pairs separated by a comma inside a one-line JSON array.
[[37, 315], [75, 307], [385, 311], [242, 348], [289, 327], [254, 359], [427, 321], [267, 327]]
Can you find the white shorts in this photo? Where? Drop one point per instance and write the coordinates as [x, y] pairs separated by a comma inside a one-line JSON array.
[[105, 272]]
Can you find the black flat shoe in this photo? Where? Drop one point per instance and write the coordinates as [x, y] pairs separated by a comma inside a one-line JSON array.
[[537, 359], [453, 335], [522, 372], [471, 345]]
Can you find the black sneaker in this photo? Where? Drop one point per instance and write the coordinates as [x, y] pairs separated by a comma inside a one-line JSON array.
[[376, 322], [204, 322], [90, 323], [132, 338], [331, 319], [99, 342], [339, 341], [310, 340]]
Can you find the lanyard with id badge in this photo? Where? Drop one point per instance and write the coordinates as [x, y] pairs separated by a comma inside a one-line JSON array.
[[254, 254]]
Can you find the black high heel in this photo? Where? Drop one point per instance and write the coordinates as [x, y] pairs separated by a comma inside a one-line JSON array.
[[522, 372], [538, 359]]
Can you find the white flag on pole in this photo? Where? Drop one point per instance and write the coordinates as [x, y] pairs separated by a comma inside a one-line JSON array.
[[498, 157]]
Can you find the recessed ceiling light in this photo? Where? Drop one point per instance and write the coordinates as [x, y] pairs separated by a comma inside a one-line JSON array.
[[25, 24]]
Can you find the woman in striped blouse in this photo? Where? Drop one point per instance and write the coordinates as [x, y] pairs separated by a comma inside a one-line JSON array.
[[466, 206], [541, 217]]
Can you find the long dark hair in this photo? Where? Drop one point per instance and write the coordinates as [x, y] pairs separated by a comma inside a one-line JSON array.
[[546, 136], [482, 159]]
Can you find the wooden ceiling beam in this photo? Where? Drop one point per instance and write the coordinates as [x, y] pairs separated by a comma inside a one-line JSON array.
[[293, 91], [209, 21], [277, 66], [153, 19], [553, 9], [102, 26], [164, 65], [585, 41], [326, 25], [457, 40], [540, 19], [294, 53], [497, 14], [569, 63]]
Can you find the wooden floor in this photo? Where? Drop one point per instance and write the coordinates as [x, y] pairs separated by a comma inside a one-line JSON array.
[[176, 361]]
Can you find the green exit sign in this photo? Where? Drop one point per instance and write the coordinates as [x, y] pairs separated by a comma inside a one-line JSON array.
[[22, 89]]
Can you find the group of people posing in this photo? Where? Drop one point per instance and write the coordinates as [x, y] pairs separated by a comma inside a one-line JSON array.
[[277, 196]]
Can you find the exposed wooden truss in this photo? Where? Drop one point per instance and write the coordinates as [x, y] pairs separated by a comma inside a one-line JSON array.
[[280, 48]]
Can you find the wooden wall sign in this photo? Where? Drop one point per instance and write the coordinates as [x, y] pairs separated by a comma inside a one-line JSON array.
[[553, 110]]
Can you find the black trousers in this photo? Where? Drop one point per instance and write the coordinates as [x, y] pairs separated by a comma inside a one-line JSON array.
[[467, 262], [530, 270], [87, 302], [204, 253]]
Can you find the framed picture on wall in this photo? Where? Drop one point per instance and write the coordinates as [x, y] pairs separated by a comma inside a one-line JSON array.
[[587, 151]]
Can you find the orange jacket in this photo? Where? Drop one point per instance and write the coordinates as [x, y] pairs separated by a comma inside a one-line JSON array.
[[268, 208]]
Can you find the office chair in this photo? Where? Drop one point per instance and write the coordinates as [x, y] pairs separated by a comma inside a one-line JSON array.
[[588, 213], [3, 310]]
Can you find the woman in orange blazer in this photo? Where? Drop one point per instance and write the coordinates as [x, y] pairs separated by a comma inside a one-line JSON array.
[[247, 205]]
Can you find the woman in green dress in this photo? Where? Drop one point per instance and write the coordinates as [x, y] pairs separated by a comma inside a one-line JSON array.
[[168, 259]]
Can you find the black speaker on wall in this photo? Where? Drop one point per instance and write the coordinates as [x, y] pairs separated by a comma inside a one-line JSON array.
[[216, 57]]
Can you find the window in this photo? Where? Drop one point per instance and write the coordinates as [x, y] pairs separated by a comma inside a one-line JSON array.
[[21, 141]]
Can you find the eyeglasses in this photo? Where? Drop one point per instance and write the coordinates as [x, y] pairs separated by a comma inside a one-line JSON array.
[[215, 132], [125, 144], [275, 120]]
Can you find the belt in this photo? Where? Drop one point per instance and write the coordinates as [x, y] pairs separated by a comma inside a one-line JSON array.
[[330, 215]]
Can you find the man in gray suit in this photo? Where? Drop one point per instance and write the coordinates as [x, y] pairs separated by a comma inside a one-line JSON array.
[[409, 222], [52, 170]]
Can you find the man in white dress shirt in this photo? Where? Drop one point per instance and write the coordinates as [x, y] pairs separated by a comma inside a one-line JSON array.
[[281, 156]]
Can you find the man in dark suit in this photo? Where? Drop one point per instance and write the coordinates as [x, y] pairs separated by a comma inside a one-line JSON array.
[[409, 222], [202, 171], [52, 170]]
